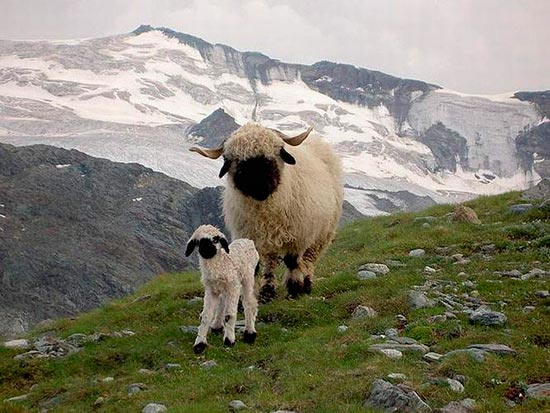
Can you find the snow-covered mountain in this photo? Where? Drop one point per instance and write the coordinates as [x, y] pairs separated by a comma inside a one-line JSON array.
[[147, 96]]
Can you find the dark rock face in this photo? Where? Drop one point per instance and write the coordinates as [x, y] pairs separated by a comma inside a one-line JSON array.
[[446, 146], [349, 214], [542, 99], [214, 128], [76, 231], [535, 140]]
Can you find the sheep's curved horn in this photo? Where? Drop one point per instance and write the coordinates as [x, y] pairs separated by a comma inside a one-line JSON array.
[[298, 139], [209, 153]]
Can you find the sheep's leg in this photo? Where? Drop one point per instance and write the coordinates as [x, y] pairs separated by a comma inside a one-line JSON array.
[[268, 292], [250, 305], [210, 304], [231, 305], [217, 324], [294, 277], [310, 257]]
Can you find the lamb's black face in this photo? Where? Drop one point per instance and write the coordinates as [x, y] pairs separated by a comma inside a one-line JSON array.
[[257, 177], [207, 249]]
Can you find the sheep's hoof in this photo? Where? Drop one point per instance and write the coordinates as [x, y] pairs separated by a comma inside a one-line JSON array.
[[267, 293], [216, 331], [294, 288], [228, 343], [249, 338], [199, 347]]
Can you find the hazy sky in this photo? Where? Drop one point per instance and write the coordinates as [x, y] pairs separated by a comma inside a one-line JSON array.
[[473, 46]]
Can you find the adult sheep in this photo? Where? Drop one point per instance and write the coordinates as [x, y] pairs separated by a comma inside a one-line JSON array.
[[285, 193]]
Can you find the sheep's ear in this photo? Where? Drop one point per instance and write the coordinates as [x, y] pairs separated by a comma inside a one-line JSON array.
[[286, 157], [225, 167], [190, 247], [224, 244]]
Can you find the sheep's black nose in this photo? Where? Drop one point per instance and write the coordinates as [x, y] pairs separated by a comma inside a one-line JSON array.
[[207, 249]]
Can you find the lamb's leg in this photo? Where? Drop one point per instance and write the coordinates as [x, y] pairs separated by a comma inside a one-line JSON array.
[[294, 276], [250, 305], [231, 305], [217, 324], [210, 305], [268, 292]]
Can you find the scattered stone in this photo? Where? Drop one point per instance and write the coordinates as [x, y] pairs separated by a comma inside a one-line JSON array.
[[450, 316], [462, 274], [542, 294], [455, 385], [425, 225], [395, 263], [419, 252], [500, 349], [366, 275], [154, 408], [107, 379], [432, 357], [136, 388], [510, 273], [146, 372], [459, 377], [426, 219], [439, 318], [189, 330], [172, 366], [20, 344], [476, 354], [418, 299], [342, 328], [474, 294], [395, 398], [209, 364], [536, 272], [391, 353], [519, 209], [469, 284], [463, 213], [429, 270], [464, 406], [528, 309], [404, 348], [362, 311], [391, 332], [237, 405], [402, 340], [397, 376], [484, 316], [99, 401], [378, 269], [539, 390], [21, 398], [195, 300]]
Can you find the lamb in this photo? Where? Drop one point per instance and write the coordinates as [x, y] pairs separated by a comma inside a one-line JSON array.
[[227, 273], [283, 194]]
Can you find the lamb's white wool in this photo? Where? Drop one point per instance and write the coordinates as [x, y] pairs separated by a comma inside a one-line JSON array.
[[227, 274], [297, 218]]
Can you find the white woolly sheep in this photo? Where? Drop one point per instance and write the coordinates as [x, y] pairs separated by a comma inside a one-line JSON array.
[[283, 194], [227, 274]]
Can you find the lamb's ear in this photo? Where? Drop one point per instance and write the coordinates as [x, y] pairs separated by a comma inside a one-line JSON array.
[[225, 167], [224, 244], [286, 157], [190, 247]]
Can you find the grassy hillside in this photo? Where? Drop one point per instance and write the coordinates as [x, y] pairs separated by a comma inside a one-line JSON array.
[[301, 361]]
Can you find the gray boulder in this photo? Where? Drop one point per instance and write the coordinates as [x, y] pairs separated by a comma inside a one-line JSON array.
[[394, 398]]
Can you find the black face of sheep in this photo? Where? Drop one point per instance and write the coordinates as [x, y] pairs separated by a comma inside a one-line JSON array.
[[207, 246], [257, 177]]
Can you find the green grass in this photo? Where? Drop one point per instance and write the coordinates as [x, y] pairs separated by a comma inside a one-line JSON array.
[[300, 360]]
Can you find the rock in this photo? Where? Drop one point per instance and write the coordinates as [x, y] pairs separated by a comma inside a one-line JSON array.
[[172, 366], [538, 390], [542, 294], [136, 388], [404, 348], [418, 299], [395, 263], [146, 372], [469, 284], [463, 213], [432, 357], [391, 353], [510, 273], [21, 398], [425, 225], [20, 344], [536, 272], [195, 300], [78, 339], [439, 318], [366, 275], [426, 219], [107, 379], [500, 349], [391, 332], [391, 398], [476, 354], [99, 401], [397, 376], [402, 340], [189, 330], [342, 328], [528, 309], [455, 385], [362, 311], [208, 364], [464, 406], [484, 316], [378, 269], [519, 209], [154, 408], [419, 252], [429, 270], [237, 405]]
